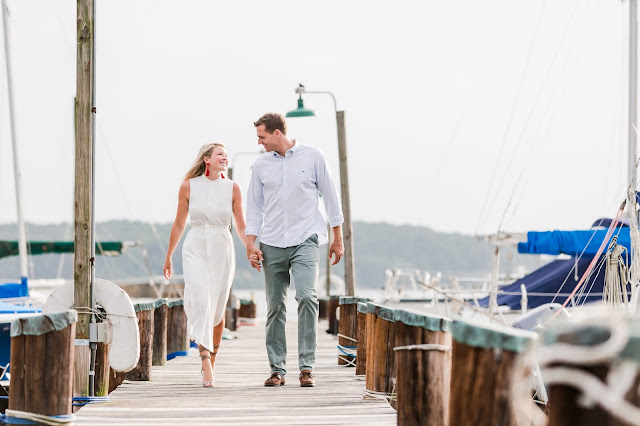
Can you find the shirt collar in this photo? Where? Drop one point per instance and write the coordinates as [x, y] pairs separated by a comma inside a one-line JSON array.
[[293, 149]]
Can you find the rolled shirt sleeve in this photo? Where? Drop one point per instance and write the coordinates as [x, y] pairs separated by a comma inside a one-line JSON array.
[[327, 189]]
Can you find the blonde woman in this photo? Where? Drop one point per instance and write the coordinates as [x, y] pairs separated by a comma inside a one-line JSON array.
[[208, 255]]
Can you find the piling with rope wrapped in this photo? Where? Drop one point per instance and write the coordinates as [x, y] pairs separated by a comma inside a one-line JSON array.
[[591, 368], [160, 322], [381, 374], [145, 314], [363, 324], [489, 377], [177, 337], [42, 359], [348, 329], [423, 349]]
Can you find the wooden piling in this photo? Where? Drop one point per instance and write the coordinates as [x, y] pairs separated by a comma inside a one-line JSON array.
[[587, 387], [361, 352], [144, 313], [348, 329], [380, 370], [42, 352], [160, 318], [332, 308], [177, 336], [489, 376], [247, 309], [323, 307], [423, 349]]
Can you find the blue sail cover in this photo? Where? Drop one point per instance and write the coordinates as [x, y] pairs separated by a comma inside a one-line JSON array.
[[548, 279], [572, 242]]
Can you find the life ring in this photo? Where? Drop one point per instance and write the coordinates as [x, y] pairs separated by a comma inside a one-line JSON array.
[[124, 348]]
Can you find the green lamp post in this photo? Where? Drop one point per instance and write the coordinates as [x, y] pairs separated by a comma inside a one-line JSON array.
[[301, 111], [347, 228]]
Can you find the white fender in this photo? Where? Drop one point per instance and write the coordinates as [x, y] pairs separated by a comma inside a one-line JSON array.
[[124, 349]]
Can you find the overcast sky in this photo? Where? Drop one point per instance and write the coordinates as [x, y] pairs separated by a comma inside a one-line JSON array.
[[461, 116]]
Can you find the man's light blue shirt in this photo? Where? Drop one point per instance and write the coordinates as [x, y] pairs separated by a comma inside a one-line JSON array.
[[283, 196]]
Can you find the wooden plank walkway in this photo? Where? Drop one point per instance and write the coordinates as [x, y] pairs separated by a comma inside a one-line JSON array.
[[175, 396]]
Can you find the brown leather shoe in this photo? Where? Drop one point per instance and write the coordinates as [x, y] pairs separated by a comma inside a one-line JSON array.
[[276, 379], [306, 379]]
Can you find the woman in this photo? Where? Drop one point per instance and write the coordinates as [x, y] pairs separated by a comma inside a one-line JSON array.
[[208, 255]]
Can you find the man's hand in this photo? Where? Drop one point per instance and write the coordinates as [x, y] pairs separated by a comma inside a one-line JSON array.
[[254, 254], [337, 249]]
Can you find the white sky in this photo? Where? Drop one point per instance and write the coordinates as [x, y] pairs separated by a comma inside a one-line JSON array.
[[448, 104]]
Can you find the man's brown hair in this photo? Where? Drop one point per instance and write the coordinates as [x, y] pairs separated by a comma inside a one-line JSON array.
[[272, 121]]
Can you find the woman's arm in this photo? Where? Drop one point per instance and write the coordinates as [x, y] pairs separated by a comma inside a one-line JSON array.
[[178, 226], [238, 214]]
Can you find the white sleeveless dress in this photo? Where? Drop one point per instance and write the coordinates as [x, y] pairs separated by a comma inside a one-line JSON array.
[[208, 257]]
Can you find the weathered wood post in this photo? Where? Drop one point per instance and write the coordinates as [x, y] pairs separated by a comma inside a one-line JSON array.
[[322, 307], [592, 371], [423, 356], [332, 314], [489, 376], [102, 370], [381, 374], [247, 309], [363, 329], [144, 313], [348, 329], [82, 210], [160, 318], [177, 337], [42, 352]]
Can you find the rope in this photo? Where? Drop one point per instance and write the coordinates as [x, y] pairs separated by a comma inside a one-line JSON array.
[[347, 337], [25, 418], [593, 261], [596, 391], [424, 347], [389, 396], [350, 362], [81, 401]]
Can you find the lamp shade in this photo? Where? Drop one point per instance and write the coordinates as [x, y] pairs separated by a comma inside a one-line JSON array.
[[301, 111]]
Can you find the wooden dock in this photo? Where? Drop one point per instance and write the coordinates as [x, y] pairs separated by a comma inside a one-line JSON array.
[[175, 396]]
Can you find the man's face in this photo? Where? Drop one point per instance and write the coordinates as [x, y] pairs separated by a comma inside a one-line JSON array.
[[268, 140]]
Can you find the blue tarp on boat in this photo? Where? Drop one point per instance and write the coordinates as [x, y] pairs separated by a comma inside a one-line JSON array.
[[548, 279], [571, 242], [9, 308]]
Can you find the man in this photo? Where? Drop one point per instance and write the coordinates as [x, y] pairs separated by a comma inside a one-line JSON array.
[[283, 198]]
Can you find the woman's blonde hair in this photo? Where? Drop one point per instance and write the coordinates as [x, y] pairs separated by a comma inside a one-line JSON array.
[[199, 166]]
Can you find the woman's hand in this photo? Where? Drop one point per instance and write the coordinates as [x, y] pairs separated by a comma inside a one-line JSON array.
[[167, 268]]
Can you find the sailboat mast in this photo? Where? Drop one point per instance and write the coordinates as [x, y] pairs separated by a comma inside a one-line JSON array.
[[22, 237], [633, 92]]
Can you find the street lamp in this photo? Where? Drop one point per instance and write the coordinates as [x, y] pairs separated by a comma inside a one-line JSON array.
[[301, 111]]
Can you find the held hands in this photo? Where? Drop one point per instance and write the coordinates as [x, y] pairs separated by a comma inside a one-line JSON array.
[[254, 254], [167, 268], [337, 249]]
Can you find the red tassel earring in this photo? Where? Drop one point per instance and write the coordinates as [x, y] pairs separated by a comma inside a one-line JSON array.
[[207, 172]]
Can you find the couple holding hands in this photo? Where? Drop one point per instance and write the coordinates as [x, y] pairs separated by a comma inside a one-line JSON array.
[[283, 210]]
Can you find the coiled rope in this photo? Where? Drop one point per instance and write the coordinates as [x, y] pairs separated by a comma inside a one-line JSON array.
[[25, 418], [349, 351]]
